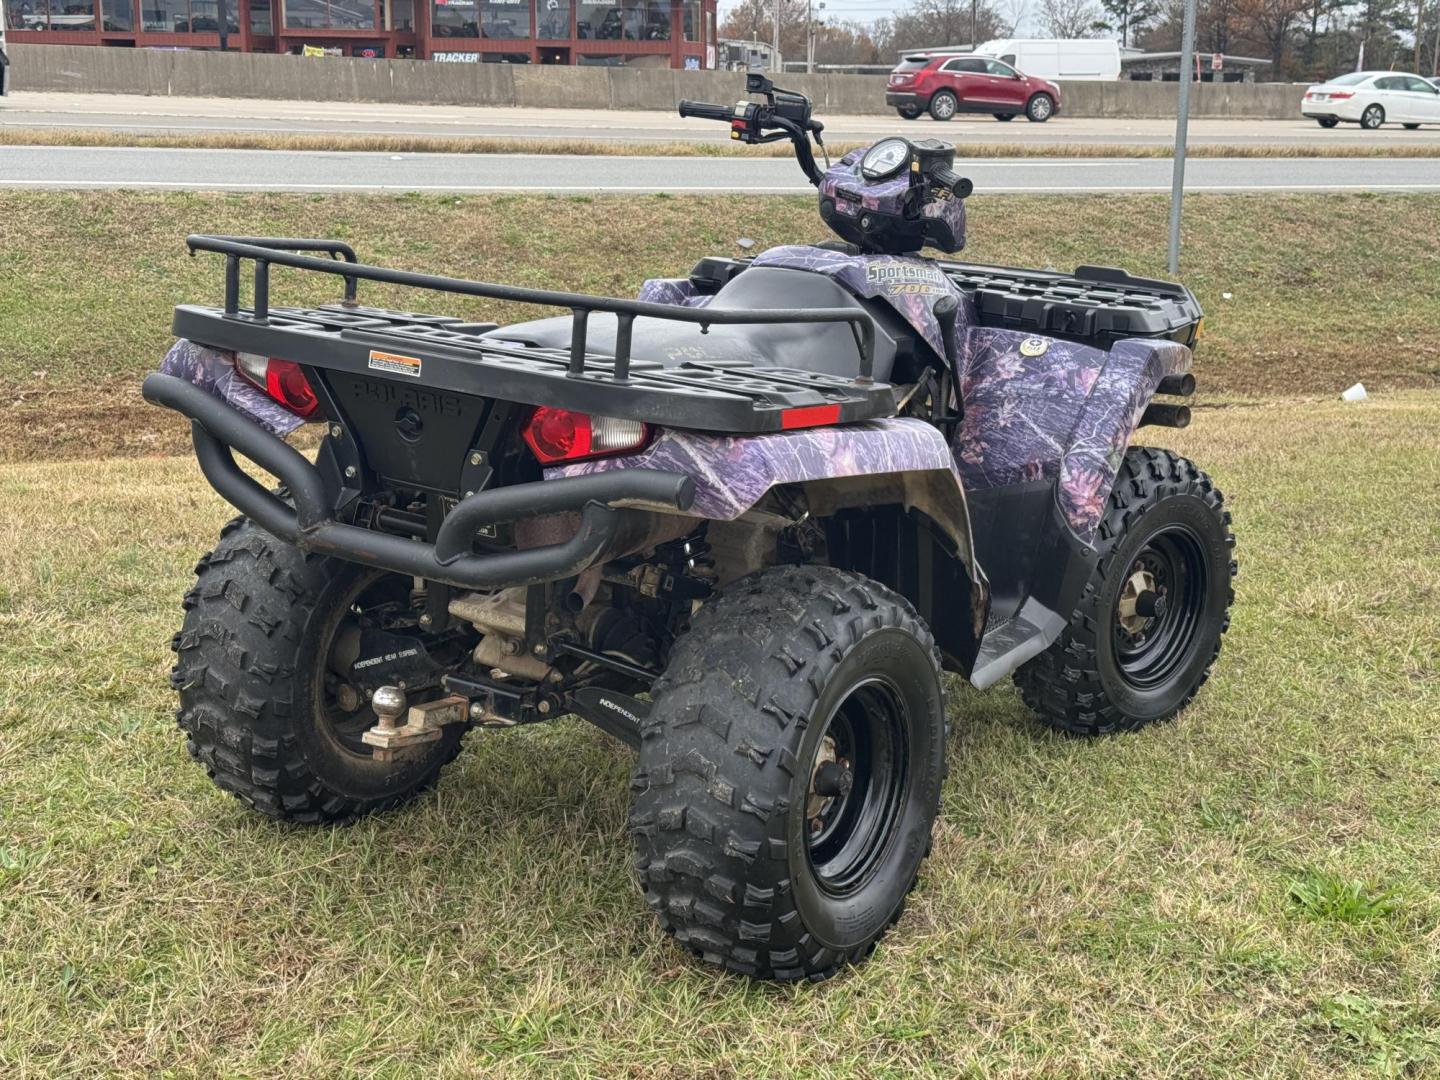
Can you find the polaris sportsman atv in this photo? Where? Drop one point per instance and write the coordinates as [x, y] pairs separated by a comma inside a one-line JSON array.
[[742, 523]]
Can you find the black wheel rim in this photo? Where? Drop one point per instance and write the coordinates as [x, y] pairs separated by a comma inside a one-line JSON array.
[[373, 601], [1155, 635], [865, 746]]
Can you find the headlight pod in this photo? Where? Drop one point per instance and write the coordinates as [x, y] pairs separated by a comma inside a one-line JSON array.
[[885, 158]]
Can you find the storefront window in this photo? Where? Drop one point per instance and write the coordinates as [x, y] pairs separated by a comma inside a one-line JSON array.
[[691, 10], [165, 15], [629, 20], [403, 12], [327, 15], [495, 19], [260, 19], [553, 19], [70, 15], [456, 18], [504, 20], [117, 15], [205, 16]]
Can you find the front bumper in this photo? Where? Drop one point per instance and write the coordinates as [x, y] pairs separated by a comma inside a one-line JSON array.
[[310, 524], [898, 99]]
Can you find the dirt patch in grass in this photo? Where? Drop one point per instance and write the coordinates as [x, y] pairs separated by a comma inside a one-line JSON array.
[[1304, 294], [548, 144], [1118, 907]]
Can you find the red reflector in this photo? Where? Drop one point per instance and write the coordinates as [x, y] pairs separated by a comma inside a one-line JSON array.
[[809, 416]]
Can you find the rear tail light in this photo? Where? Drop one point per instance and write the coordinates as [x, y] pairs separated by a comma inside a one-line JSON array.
[[559, 435], [283, 382], [1337, 95]]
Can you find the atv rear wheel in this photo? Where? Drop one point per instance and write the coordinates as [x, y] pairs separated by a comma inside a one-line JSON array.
[[260, 701], [1148, 626], [790, 773]]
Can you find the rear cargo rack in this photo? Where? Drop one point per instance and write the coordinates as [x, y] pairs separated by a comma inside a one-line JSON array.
[[266, 251]]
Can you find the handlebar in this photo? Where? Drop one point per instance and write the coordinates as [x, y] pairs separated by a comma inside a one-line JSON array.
[[703, 110], [752, 122], [949, 178]]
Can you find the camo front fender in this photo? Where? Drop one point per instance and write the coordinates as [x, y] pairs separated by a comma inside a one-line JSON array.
[[1040, 408]]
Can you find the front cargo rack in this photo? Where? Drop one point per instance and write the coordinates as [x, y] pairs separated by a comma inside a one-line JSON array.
[[1093, 304], [729, 396]]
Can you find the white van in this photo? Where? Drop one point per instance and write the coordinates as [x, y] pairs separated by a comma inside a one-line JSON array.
[[1058, 58]]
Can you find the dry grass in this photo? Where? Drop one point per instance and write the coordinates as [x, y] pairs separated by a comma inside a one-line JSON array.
[[1304, 295], [544, 144], [1249, 891]]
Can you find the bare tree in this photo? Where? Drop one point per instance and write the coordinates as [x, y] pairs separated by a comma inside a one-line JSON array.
[[935, 23], [1069, 18], [1012, 13]]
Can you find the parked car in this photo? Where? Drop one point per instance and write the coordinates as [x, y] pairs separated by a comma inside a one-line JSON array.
[[947, 84], [1372, 98], [1057, 58]]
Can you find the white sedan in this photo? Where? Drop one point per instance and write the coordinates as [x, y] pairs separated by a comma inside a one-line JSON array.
[[1372, 98]]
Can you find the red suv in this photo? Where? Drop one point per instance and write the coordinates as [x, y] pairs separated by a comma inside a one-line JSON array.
[[946, 85]]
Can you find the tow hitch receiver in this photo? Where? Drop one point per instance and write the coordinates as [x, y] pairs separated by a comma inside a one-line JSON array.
[[423, 723]]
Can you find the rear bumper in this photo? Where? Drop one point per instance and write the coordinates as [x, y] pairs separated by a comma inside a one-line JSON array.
[[1330, 110], [902, 99], [310, 525]]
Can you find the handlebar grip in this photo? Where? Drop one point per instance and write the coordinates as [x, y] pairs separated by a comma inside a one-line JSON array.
[[954, 181], [705, 111]]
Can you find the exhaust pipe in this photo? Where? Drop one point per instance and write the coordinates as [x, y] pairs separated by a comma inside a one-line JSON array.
[[1177, 385], [1176, 416]]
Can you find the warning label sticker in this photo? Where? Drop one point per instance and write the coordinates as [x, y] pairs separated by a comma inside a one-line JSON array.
[[394, 363]]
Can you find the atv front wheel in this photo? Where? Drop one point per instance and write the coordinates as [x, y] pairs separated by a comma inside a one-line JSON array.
[[790, 773], [1147, 628], [261, 703]]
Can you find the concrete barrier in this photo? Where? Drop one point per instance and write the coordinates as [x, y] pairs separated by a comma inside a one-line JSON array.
[[88, 69]]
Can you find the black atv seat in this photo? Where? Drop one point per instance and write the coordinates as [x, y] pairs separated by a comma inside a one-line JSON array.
[[825, 347]]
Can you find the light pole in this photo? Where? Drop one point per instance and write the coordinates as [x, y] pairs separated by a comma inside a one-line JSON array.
[[810, 35], [1182, 123], [775, 44]]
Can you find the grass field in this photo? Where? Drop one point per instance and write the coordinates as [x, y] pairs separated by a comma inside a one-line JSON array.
[[1248, 891], [1303, 295], [543, 144]]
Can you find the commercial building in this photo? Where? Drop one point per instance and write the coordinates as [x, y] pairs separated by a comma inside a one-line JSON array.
[[1212, 67], [636, 33]]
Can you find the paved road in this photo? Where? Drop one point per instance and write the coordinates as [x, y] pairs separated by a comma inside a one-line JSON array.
[[133, 113], [268, 170]]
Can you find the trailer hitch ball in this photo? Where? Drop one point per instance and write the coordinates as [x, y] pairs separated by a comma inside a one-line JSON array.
[[423, 723]]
